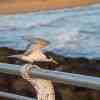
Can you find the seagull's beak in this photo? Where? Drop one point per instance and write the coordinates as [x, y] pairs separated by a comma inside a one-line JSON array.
[[55, 62]]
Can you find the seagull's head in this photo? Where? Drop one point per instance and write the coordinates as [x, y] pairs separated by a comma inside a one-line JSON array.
[[40, 43]]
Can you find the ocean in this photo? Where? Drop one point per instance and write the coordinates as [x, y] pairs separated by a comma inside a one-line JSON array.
[[72, 32]]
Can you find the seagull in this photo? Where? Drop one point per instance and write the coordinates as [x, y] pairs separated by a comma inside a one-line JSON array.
[[35, 54]]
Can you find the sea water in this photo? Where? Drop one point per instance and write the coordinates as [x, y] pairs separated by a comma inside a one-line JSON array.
[[72, 32]]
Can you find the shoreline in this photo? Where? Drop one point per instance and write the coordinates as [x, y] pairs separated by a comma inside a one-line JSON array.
[[22, 6]]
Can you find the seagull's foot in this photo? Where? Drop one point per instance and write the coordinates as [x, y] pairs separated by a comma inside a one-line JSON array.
[[25, 71]]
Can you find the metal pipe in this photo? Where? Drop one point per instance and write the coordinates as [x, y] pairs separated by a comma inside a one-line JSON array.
[[14, 96], [60, 77]]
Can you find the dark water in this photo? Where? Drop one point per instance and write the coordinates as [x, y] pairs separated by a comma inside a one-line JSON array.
[[72, 32]]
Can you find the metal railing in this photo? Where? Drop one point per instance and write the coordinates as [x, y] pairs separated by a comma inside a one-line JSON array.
[[14, 96], [55, 76]]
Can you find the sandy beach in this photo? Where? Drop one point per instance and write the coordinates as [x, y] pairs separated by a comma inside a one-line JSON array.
[[15, 6]]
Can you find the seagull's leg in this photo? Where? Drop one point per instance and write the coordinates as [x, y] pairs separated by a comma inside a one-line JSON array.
[[25, 70], [44, 88]]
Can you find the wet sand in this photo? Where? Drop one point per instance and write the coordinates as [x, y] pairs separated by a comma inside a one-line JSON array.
[[15, 6]]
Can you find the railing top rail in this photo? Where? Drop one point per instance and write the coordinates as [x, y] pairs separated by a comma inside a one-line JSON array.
[[56, 76], [14, 96]]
